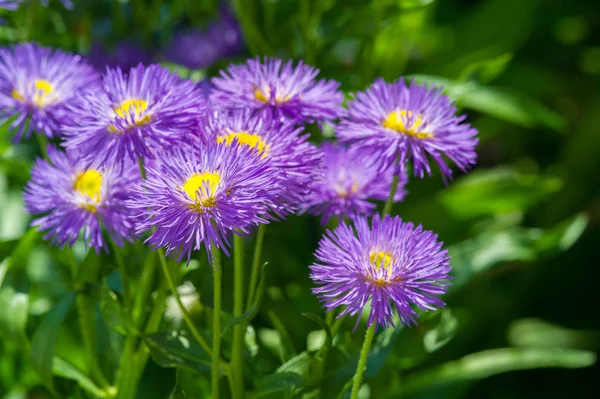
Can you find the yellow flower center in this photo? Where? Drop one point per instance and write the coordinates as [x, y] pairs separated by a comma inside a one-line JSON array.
[[399, 120], [252, 140], [265, 96], [89, 184], [200, 188], [381, 259], [135, 108], [42, 94]]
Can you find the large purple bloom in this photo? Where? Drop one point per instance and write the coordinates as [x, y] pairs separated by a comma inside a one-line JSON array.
[[73, 200], [286, 146], [410, 122], [349, 181], [133, 115], [391, 264], [280, 88], [192, 197], [39, 84]]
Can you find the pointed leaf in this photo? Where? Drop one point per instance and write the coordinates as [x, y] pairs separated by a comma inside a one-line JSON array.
[[44, 339], [178, 349], [62, 368]]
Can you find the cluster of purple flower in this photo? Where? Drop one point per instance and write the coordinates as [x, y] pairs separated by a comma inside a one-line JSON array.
[[216, 166]]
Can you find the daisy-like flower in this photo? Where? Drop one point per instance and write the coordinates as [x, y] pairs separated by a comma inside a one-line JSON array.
[[391, 264], [286, 146], [133, 115], [350, 180], [73, 200], [40, 83], [410, 122], [193, 197], [285, 90]]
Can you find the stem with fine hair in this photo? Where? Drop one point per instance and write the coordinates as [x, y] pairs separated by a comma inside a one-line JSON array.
[[43, 143], [362, 361], [186, 315], [237, 367], [260, 238], [390, 201], [216, 344]]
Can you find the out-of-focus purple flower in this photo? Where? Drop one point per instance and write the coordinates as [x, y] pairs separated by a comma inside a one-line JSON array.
[[125, 55], [227, 33], [73, 200], [197, 197], [390, 264], [410, 122], [40, 83], [286, 146], [194, 49], [350, 180], [279, 88], [10, 4], [133, 115], [67, 3]]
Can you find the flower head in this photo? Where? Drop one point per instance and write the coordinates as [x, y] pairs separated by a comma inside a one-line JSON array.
[[391, 264], [73, 200], [411, 122], [40, 83], [196, 197], [350, 179], [286, 146], [282, 89], [133, 115], [10, 4]]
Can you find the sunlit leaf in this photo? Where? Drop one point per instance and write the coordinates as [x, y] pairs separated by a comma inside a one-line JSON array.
[[178, 349], [540, 333], [443, 333], [62, 368]]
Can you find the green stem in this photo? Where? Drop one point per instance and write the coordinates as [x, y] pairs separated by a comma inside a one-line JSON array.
[[186, 315], [362, 361], [216, 344], [142, 168], [124, 277], [260, 238], [43, 143], [144, 288], [256, 42], [237, 367], [390, 201], [86, 313]]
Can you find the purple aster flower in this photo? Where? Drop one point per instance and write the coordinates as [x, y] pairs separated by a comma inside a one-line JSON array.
[[283, 89], [391, 264], [193, 197], [133, 115], [349, 181], [126, 55], [10, 4], [40, 83], [73, 200], [410, 122], [286, 146]]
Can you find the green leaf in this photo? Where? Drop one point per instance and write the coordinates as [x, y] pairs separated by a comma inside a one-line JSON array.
[[287, 345], [487, 363], [317, 364], [277, 385], [44, 339], [253, 310], [178, 349], [540, 333], [62, 368], [562, 236], [443, 333], [497, 191], [15, 308], [113, 313], [486, 70]]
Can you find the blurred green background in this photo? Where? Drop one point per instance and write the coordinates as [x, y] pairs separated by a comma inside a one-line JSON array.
[[523, 227]]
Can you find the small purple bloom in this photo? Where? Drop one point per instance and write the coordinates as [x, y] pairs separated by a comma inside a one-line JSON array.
[[10, 4], [133, 115], [286, 146], [193, 49], [280, 88], [73, 200], [391, 264], [198, 196], [350, 179], [410, 122], [126, 55], [40, 83]]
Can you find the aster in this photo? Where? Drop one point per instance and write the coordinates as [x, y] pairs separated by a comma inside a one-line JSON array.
[[279, 88], [133, 115], [126, 54], [390, 264], [412, 123], [349, 181], [286, 146], [72, 200], [10, 4], [193, 49], [192, 198], [40, 83]]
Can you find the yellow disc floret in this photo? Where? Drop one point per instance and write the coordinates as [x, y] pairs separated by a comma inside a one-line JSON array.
[[244, 138], [200, 188], [89, 184], [398, 121]]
